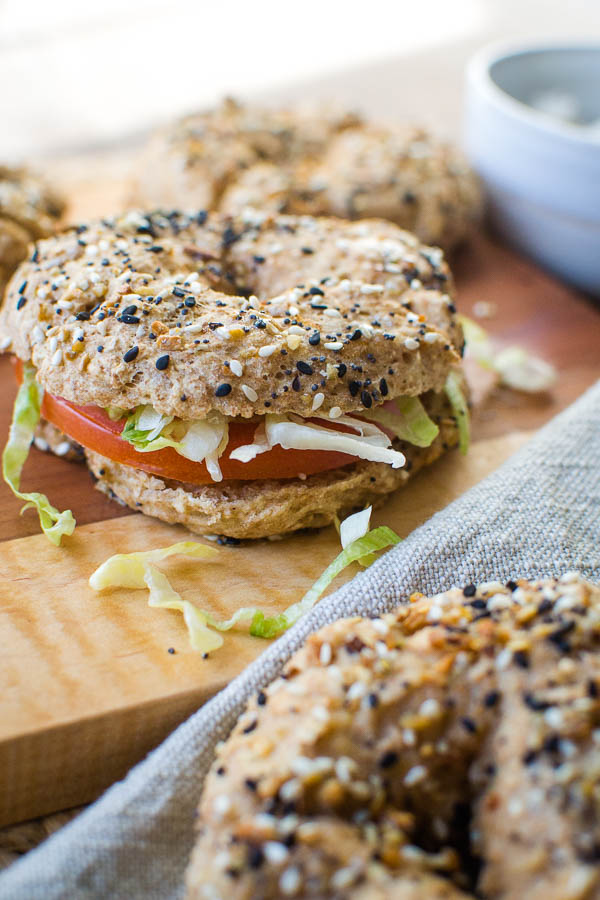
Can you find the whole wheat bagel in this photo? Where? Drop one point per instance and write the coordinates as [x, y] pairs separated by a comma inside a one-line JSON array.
[[449, 749], [317, 162], [240, 317]]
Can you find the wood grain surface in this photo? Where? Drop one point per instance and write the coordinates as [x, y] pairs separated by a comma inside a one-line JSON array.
[[87, 682]]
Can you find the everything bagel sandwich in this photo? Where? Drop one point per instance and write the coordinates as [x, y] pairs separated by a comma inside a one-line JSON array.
[[244, 377], [320, 162]]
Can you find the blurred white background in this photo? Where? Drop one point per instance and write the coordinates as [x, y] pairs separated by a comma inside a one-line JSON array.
[[77, 74]]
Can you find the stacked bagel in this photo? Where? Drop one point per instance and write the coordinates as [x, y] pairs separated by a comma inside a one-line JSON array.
[[275, 344], [318, 162], [29, 210]]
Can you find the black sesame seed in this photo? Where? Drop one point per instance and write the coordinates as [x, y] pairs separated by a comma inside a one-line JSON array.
[[259, 260], [314, 339], [389, 759], [223, 390], [468, 724], [221, 770], [342, 369], [383, 387], [131, 354], [129, 320], [21, 302], [491, 699], [354, 387], [162, 362], [201, 217], [316, 292], [559, 633], [512, 585], [251, 783], [22, 287], [177, 292], [296, 384], [373, 700], [529, 757], [250, 727], [171, 650], [592, 689], [535, 703], [477, 604], [304, 368], [521, 658], [261, 698], [100, 348], [130, 310], [255, 857], [366, 399], [82, 316], [230, 236], [356, 335], [190, 302], [470, 590], [307, 250]]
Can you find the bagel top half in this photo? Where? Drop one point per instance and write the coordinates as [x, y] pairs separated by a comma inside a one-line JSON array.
[[316, 161], [242, 316]]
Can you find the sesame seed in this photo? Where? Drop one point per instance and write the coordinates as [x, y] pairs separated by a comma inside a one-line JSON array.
[[249, 393], [57, 358], [414, 775], [314, 338], [335, 412], [318, 401], [235, 367], [411, 344], [223, 390], [333, 345], [162, 362], [366, 399], [275, 852], [304, 367], [131, 354], [62, 448], [325, 654], [290, 881], [269, 350]]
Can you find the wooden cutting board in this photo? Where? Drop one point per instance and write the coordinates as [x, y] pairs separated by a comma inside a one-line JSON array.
[[87, 682]]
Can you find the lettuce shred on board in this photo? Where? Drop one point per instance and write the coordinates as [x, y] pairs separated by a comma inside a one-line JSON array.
[[138, 570], [26, 415]]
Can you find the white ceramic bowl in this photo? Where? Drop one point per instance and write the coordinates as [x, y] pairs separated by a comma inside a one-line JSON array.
[[541, 171]]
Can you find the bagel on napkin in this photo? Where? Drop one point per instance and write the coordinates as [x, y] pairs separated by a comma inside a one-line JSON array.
[[446, 750], [243, 376]]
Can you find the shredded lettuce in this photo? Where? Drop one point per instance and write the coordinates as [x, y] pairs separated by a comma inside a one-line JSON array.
[[354, 526], [201, 440], [26, 415], [137, 570], [521, 371], [409, 421], [377, 539], [517, 368], [293, 433], [460, 409], [127, 569]]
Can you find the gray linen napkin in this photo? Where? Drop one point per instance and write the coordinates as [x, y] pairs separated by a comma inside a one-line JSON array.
[[539, 514]]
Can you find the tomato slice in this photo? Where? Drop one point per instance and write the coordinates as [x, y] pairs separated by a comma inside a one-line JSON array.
[[91, 427]]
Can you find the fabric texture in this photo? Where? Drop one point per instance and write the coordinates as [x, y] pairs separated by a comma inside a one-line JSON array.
[[538, 515]]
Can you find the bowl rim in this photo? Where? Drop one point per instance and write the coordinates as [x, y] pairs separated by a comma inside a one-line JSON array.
[[479, 75]]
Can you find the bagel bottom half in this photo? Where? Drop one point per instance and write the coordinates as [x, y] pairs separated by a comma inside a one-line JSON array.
[[258, 509]]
